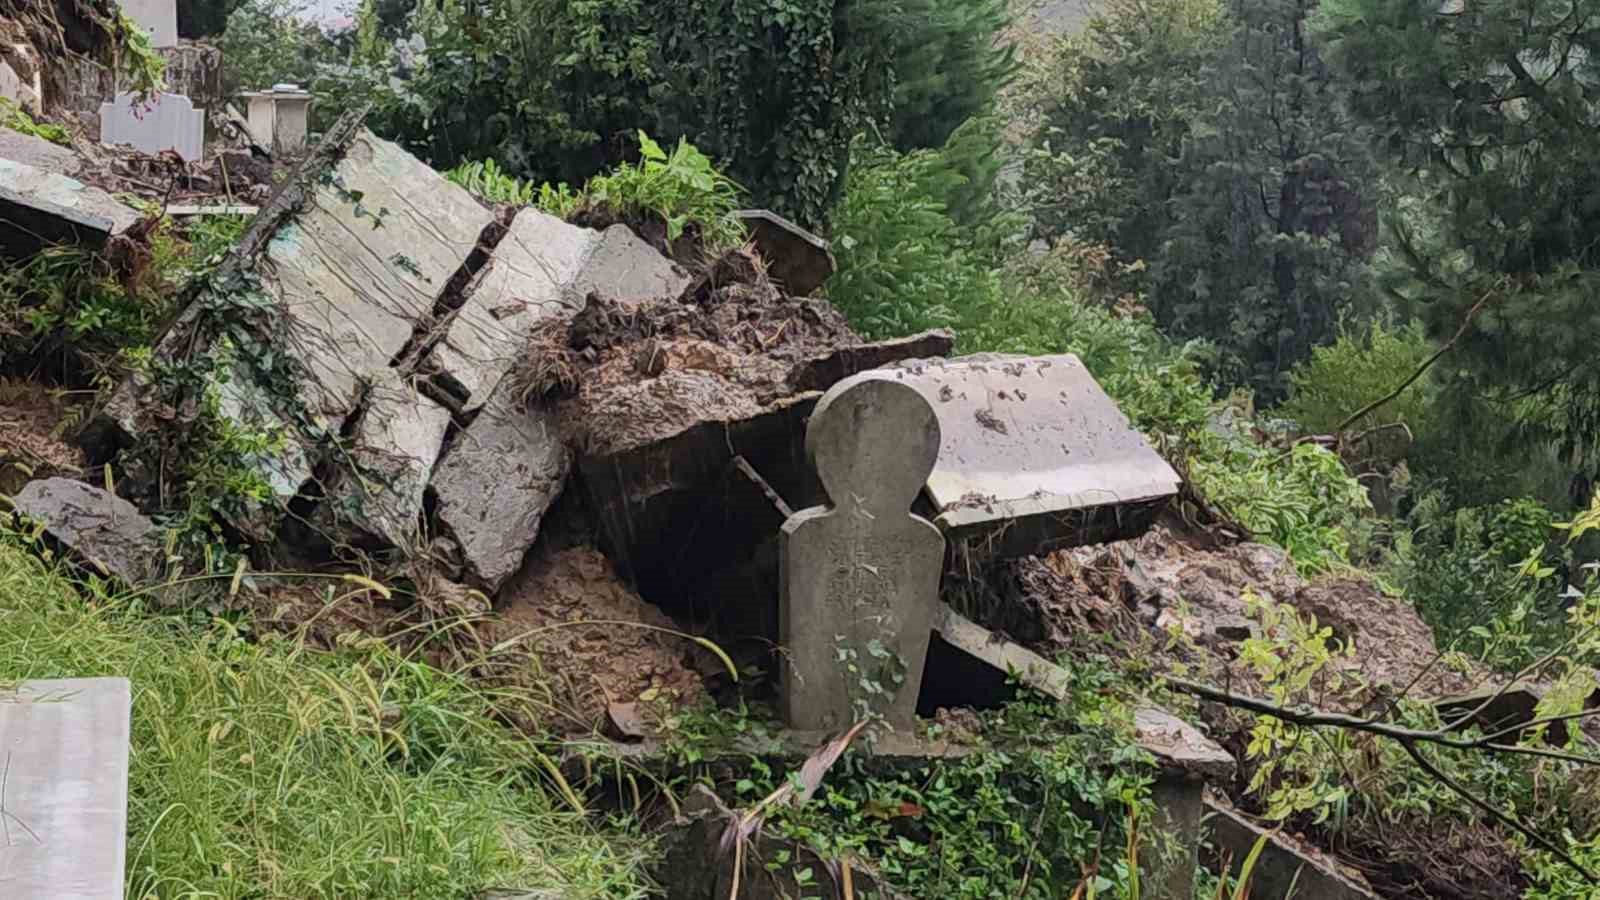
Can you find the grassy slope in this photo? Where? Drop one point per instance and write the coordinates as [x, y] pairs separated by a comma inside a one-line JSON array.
[[265, 769]]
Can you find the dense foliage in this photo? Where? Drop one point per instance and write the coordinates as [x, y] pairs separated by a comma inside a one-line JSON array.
[[1208, 142]]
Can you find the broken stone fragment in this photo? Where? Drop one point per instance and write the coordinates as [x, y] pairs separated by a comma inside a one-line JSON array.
[[1286, 866], [797, 260], [378, 495], [39, 153], [242, 401], [39, 208], [363, 264], [623, 267], [105, 532], [497, 482], [529, 279]]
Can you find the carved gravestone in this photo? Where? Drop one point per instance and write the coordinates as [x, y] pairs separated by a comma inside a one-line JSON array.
[[860, 576]]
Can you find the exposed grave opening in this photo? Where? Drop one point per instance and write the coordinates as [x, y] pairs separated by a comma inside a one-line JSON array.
[[955, 679]]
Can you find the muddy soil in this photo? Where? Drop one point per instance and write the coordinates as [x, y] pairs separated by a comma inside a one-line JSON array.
[[586, 649], [30, 443]]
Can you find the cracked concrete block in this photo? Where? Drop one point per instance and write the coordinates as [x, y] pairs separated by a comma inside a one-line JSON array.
[[39, 208], [104, 531], [497, 482], [1285, 864], [364, 264], [624, 267], [530, 278], [396, 443]]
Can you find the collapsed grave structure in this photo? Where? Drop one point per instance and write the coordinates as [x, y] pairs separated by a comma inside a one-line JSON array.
[[558, 416]]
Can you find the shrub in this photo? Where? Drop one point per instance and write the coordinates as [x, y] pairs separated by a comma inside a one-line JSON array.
[[1359, 368]]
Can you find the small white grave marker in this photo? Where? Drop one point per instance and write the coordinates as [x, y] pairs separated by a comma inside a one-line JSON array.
[[64, 794], [161, 122], [860, 577]]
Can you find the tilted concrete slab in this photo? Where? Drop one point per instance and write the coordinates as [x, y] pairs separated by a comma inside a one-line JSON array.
[[39, 153], [497, 482], [1285, 864], [364, 264], [529, 279], [64, 749], [1035, 456], [39, 208], [396, 443]]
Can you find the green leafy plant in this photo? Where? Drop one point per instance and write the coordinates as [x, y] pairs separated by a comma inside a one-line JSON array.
[[16, 118], [487, 180], [676, 190]]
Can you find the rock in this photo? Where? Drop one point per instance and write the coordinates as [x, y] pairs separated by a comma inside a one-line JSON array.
[[379, 497], [105, 531], [241, 400], [1232, 629], [39, 207], [799, 261], [623, 267], [39, 153], [497, 482], [530, 278]]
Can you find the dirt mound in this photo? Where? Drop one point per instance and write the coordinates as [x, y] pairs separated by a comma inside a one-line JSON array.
[[592, 641], [622, 375]]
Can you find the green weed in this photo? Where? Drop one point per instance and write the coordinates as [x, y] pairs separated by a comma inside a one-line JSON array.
[[261, 768], [487, 180], [16, 118]]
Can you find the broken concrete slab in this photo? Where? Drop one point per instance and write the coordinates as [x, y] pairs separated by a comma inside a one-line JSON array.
[[1188, 761], [395, 444], [698, 861], [39, 208], [623, 267], [363, 264], [530, 278], [1035, 456], [496, 483], [797, 260], [821, 372], [240, 399], [1494, 708], [1030, 668], [39, 153], [96, 526], [65, 744], [1285, 864]]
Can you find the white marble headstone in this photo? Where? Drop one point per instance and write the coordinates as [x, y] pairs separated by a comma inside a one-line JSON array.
[[158, 17], [160, 122]]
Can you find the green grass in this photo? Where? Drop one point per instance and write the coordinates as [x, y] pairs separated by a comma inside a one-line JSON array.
[[261, 768]]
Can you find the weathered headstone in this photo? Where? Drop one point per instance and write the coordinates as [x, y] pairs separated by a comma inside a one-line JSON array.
[[155, 124], [64, 750], [860, 576], [158, 17]]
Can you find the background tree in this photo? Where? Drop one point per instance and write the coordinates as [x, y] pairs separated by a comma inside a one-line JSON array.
[[204, 18], [1233, 174], [1488, 108]]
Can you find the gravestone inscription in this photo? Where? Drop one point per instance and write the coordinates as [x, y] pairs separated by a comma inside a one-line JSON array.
[[860, 576]]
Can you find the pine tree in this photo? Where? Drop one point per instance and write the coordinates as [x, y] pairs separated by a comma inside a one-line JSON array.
[[1488, 107]]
